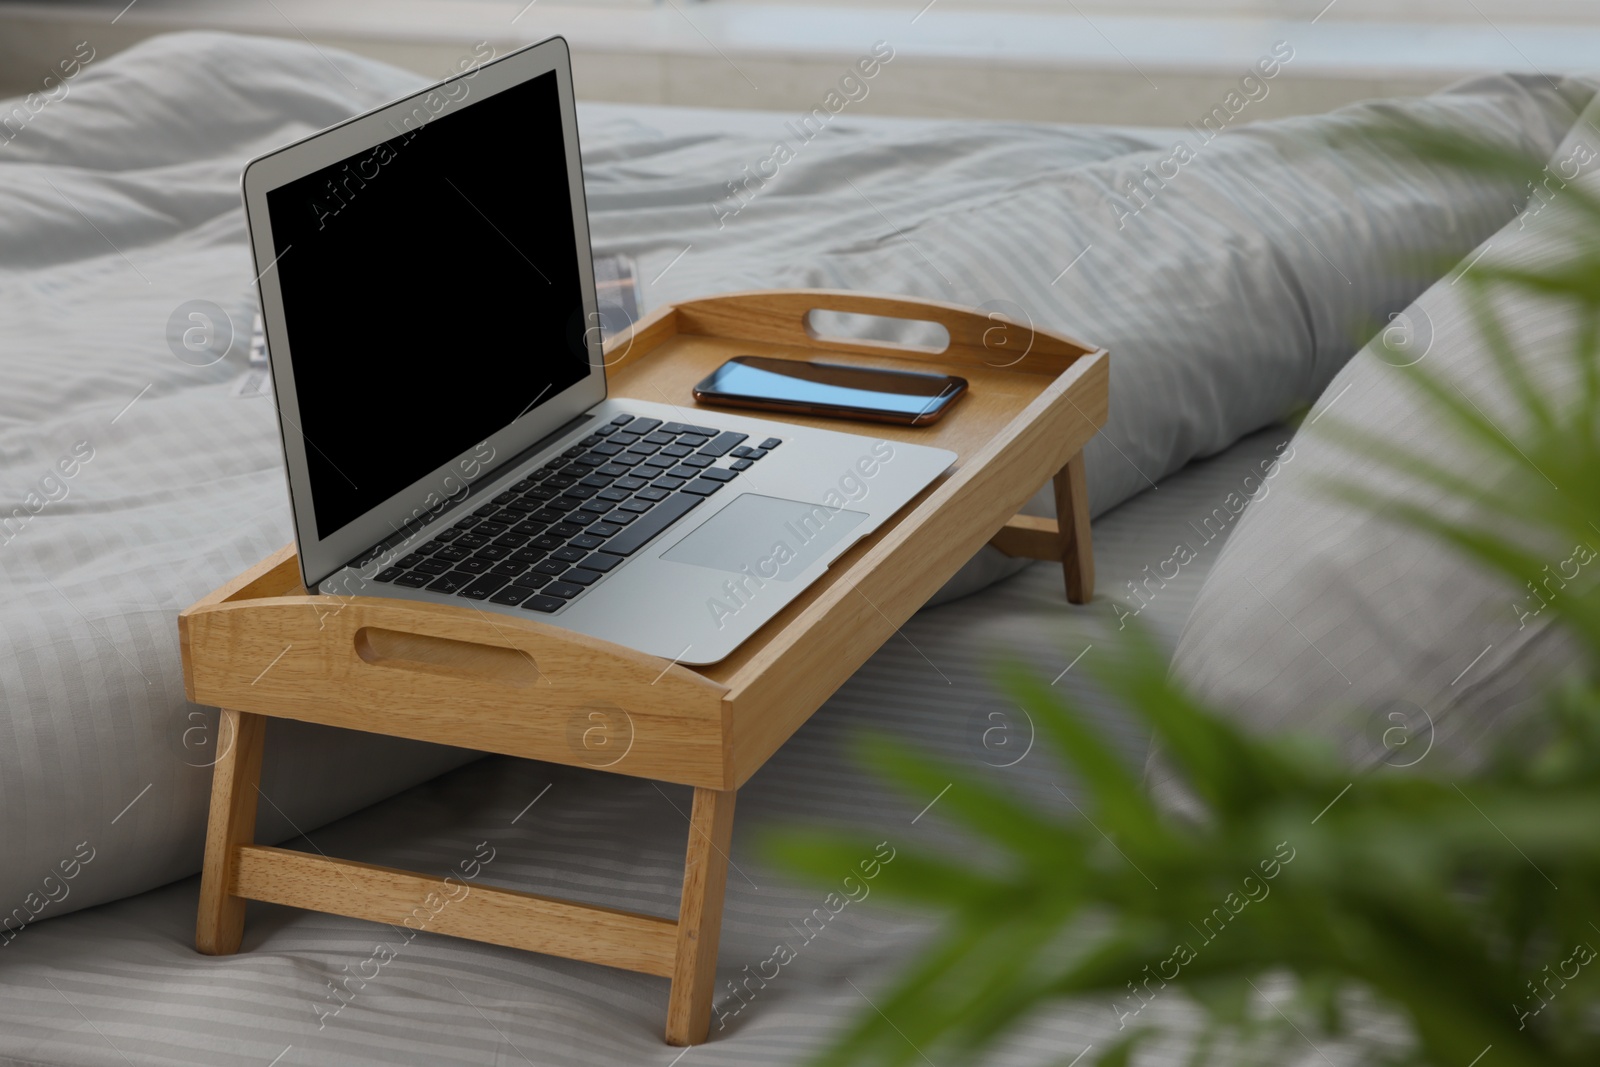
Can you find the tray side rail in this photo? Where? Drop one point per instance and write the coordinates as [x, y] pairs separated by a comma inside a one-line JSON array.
[[809, 656], [457, 676]]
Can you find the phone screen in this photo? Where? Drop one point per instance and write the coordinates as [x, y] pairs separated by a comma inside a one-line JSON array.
[[907, 394]]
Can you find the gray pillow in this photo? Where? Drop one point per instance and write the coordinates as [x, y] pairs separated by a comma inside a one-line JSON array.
[[1232, 295], [1325, 617]]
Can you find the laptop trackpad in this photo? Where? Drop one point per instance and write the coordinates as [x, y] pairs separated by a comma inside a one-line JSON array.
[[766, 536]]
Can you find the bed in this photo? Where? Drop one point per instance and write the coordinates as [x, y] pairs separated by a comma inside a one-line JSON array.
[[119, 209]]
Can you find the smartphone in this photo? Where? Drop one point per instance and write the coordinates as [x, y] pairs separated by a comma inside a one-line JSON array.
[[910, 398]]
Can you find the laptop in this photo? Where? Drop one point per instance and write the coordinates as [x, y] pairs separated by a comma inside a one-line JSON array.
[[428, 294]]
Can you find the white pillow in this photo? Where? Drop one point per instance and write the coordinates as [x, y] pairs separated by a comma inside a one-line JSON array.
[[1325, 617]]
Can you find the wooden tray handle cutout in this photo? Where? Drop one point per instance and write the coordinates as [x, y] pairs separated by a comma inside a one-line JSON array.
[[860, 317], [997, 336], [444, 656]]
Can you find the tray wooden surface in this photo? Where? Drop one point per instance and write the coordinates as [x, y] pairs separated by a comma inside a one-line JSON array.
[[523, 687], [262, 646]]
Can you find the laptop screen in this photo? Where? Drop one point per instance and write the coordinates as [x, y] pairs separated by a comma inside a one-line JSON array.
[[431, 294]]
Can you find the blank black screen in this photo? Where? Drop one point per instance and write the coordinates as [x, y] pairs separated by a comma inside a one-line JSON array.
[[431, 292]]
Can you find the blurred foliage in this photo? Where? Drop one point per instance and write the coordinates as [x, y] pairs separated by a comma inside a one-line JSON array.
[[1465, 908]]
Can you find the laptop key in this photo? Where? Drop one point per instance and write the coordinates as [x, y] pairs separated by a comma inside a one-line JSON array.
[[509, 568], [569, 554], [492, 553], [701, 460], [671, 481], [449, 583], [543, 603], [757, 453], [642, 532], [472, 540], [624, 438], [652, 494], [600, 561], [413, 581], [680, 427], [614, 495], [594, 508], [451, 553], [677, 451], [388, 574], [604, 529], [562, 590], [561, 481], [598, 480], [490, 529], [550, 515], [642, 425], [720, 444], [719, 474], [474, 566], [770, 443], [531, 527], [580, 576], [484, 587], [512, 595], [659, 438], [702, 487], [413, 559], [551, 567], [607, 430], [612, 470], [527, 555], [658, 461], [687, 474], [511, 540], [622, 420], [638, 507], [608, 448], [585, 541], [565, 529], [619, 517], [432, 566], [694, 441], [742, 464], [741, 452], [549, 542]]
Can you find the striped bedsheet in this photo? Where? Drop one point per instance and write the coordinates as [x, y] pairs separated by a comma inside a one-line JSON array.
[[121, 983]]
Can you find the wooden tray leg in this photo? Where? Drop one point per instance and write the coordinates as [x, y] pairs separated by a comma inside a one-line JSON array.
[[1072, 523], [220, 926], [705, 877]]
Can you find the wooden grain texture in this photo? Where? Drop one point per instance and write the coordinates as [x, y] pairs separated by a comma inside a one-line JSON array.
[[459, 676], [782, 675], [977, 338], [1076, 546], [1029, 537], [705, 877], [277, 575], [458, 908], [219, 926]]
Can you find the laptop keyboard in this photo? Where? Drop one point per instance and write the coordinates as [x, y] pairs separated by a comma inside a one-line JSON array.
[[549, 538]]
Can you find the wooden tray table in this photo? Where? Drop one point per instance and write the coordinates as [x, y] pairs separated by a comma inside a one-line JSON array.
[[524, 687]]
